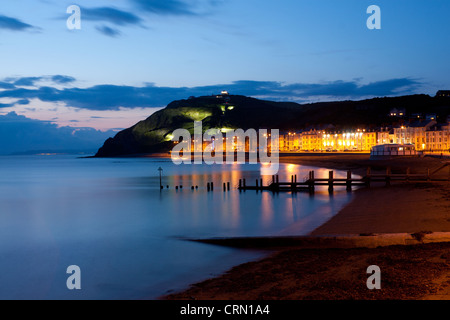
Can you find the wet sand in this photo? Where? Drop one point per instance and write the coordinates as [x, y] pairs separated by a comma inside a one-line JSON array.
[[396, 209], [420, 271]]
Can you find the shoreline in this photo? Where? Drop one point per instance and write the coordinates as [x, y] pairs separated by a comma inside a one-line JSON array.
[[400, 209]]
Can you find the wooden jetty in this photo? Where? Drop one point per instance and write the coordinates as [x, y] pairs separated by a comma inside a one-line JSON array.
[[310, 182]]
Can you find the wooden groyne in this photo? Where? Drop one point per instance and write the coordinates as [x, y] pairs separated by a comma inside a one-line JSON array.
[[310, 182]]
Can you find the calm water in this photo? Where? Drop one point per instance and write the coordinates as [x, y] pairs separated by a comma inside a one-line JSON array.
[[109, 217]]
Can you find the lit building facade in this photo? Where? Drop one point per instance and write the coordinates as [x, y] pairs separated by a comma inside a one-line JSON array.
[[426, 136], [359, 140], [290, 141], [385, 136], [316, 140], [311, 141]]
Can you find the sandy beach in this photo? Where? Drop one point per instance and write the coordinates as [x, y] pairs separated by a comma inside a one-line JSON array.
[[420, 271]]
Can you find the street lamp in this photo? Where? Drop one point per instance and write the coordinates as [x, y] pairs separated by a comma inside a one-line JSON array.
[[160, 177]]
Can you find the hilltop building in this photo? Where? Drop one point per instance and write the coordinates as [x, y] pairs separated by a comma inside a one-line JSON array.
[[397, 112], [443, 93]]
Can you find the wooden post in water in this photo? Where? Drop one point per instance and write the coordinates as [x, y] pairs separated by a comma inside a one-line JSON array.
[[428, 175], [256, 183], [309, 181], [228, 186], [330, 181], [349, 181], [261, 183], [388, 176], [312, 182], [240, 184], [245, 184], [208, 186], [224, 187], [368, 178], [212, 186]]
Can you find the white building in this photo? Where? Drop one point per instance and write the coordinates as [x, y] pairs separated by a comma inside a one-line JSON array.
[[392, 150]]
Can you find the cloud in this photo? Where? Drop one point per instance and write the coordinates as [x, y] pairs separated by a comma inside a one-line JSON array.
[[110, 15], [113, 97], [177, 7], [12, 83], [165, 7], [23, 102], [60, 79], [27, 81], [6, 85], [121, 18], [21, 134], [336, 90], [107, 31], [14, 24]]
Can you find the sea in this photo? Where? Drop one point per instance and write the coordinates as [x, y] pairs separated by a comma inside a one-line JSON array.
[[129, 238]]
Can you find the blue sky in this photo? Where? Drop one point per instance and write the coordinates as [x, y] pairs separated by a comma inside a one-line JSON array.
[[132, 57]]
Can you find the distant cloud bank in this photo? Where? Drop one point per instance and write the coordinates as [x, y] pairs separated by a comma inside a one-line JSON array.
[[113, 97], [21, 134]]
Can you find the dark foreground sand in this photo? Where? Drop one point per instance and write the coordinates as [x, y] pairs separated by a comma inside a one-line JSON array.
[[408, 272]]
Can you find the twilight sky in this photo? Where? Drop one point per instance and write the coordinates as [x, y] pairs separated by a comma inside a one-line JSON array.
[[132, 57]]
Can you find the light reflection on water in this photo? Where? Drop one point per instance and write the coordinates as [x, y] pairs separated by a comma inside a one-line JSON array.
[[109, 217]]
